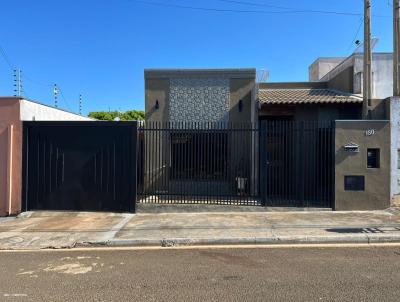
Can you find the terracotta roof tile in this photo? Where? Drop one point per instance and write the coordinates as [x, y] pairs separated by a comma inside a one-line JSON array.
[[305, 96]]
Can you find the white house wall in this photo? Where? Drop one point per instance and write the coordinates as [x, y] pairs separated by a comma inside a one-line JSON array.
[[395, 145], [30, 111], [382, 69]]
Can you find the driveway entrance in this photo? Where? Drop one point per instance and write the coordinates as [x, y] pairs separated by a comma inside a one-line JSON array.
[[85, 166], [297, 163]]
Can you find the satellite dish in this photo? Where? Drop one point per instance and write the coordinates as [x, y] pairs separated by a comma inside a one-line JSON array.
[[360, 47]]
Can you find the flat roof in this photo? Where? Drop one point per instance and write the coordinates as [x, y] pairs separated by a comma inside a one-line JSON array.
[[20, 98], [193, 72]]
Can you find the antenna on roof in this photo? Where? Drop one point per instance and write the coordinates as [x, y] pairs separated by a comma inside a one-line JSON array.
[[262, 76]]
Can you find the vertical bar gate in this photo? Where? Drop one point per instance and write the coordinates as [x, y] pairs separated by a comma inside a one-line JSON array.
[[198, 163], [297, 161], [273, 163]]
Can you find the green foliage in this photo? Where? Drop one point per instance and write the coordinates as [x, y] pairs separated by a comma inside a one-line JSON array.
[[130, 115]]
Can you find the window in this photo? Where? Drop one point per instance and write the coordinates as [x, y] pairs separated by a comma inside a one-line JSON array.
[[373, 160], [354, 183]]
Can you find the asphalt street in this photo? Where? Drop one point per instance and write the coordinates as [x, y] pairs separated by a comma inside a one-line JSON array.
[[231, 274]]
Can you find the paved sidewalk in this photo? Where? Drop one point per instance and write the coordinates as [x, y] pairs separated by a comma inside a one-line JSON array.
[[37, 230]]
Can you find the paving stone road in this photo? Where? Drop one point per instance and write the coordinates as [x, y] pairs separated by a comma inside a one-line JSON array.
[[261, 274]]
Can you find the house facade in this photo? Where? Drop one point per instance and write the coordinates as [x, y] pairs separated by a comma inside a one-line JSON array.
[[316, 121], [346, 74]]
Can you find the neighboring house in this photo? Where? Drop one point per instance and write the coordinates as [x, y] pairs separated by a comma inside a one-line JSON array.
[[346, 74], [13, 111]]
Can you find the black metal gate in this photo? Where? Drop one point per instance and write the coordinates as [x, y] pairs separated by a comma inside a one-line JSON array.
[[297, 163], [273, 163], [198, 163], [79, 166]]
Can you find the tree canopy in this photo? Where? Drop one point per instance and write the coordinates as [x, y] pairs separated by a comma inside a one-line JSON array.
[[130, 115]]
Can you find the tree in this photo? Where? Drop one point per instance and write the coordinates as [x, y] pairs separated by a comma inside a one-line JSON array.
[[130, 115]]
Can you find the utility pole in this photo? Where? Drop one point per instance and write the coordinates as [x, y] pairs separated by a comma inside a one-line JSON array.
[[55, 91], [367, 76], [80, 104], [396, 48], [17, 82]]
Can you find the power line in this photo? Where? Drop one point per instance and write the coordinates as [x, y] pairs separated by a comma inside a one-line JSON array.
[[63, 97], [19, 88], [235, 10], [292, 10], [286, 11], [37, 82], [356, 35], [6, 59]]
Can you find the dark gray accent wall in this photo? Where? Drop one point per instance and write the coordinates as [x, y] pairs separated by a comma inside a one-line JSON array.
[[379, 109], [365, 134], [241, 90]]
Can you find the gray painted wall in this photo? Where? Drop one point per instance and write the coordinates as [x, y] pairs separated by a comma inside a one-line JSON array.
[[395, 145], [377, 180], [382, 68], [321, 67]]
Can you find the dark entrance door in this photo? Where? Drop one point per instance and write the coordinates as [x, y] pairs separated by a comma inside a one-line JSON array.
[[297, 163], [89, 166]]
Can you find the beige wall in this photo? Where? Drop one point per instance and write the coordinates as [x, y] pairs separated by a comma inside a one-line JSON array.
[[241, 89], [157, 89], [240, 86], [10, 157], [377, 181]]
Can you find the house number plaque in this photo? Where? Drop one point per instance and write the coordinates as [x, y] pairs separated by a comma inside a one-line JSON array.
[[370, 132]]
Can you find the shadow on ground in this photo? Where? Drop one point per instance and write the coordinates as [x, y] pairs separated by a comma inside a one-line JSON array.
[[363, 230]]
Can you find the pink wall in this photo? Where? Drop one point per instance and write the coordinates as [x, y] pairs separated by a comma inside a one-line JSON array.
[[10, 156]]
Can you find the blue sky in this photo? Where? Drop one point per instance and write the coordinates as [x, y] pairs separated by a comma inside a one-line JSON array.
[[99, 48]]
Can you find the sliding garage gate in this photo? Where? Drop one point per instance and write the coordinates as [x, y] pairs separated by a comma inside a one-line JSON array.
[[89, 166]]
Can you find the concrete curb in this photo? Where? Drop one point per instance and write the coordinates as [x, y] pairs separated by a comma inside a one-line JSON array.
[[172, 242]]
